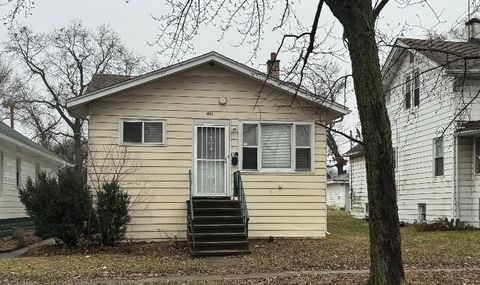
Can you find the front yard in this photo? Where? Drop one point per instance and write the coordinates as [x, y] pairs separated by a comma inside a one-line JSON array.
[[346, 248]]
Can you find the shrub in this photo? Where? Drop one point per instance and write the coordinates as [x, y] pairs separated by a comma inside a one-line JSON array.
[[59, 208], [442, 224], [112, 213]]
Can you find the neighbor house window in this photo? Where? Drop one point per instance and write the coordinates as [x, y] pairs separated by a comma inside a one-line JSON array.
[[422, 212], [416, 89], [367, 210], [1, 171], [277, 146], [394, 157], [18, 171], [37, 171], [477, 155], [408, 92], [143, 131], [438, 156]]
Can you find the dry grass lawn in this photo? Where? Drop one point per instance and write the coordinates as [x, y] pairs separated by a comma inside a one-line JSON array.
[[345, 248]]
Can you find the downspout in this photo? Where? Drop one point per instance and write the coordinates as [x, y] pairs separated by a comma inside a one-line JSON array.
[[454, 177]]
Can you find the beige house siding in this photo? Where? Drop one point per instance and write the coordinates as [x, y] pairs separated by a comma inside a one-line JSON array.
[[280, 204]]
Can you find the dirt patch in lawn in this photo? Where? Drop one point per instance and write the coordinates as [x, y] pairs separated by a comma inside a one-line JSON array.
[[11, 243]]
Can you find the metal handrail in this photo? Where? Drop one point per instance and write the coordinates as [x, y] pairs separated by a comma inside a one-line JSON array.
[[239, 192], [191, 215]]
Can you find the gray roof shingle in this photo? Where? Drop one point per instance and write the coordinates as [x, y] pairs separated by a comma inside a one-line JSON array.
[[355, 151], [453, 55], [13, 134], [100, 81]]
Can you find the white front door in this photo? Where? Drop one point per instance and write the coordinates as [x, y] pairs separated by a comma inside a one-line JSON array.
[[210, 152]]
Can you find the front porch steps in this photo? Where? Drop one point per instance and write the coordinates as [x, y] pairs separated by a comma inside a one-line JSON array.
[[217, 228]]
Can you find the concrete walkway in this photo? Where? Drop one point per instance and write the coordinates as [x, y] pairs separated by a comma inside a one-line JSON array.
[[19, 252], [227, 277]]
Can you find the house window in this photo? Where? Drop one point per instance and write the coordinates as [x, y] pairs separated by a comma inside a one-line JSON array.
[[250, 146], [422, 212], [37, 171], [394, 158], [408, 92], [277, 146], [367, 210], [1, 171], [416, 89], [143, 131], [18, 171], [477, 155], [438, 156]]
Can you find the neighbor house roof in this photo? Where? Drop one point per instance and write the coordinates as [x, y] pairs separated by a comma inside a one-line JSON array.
[[450, 54], [343, 178], [101, 89], [9, 134], [355, 151], [468, 128]]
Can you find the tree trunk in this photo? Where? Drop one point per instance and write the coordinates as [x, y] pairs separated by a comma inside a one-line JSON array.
[[77, 138], [358, 21]]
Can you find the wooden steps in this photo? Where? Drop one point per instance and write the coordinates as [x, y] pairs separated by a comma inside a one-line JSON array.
[[217, 228]]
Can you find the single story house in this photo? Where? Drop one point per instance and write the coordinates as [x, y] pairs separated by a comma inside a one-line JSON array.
[[188, 130], [338, 192], [20, 158]]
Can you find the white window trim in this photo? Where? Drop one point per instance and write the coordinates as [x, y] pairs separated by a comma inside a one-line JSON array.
[[475, 155], [420, 212], [435, 156], [18, 168], [293, 147], [2, 170], [143, 120]]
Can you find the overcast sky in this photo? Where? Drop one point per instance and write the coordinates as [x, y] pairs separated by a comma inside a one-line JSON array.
[[136, 27]]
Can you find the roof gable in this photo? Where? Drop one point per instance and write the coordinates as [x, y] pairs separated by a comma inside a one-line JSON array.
[[127, 83], [19, 139]]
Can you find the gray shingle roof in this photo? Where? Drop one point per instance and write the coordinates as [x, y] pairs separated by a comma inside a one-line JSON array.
[[355, 151], [100, 81], [447, 53], [13, 134]]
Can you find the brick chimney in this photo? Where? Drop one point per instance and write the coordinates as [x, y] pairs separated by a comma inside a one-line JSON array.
[[473, 29], [273, 66]]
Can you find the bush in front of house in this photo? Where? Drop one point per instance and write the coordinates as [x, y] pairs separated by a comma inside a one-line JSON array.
[[112, 213], [60, 208], [442, 224]]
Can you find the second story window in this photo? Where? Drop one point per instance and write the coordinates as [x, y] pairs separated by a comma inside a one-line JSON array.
[[408, 92], [416, 89], [438, 156], [18, 174]]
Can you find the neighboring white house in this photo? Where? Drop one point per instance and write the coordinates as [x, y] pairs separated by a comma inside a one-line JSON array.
[[432, 89], [20, 158], [212, 116], [338, 192]]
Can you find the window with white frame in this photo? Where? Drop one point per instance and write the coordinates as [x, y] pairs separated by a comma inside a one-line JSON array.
[[438, 156], [2, 170], [416, 89], [408, 92], [477, 155], [277, 146], [37, 170], [422, 212], [142, 131], [18, 171]]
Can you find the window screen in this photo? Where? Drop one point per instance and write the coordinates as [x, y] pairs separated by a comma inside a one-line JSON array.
[[303, 148], [408, 90], [416, 89], [250, 147], [438, 156], [276, 146], [132, 132]]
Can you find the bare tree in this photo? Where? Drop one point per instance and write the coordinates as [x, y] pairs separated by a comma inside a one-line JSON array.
[[60, 65], [13, 8]]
